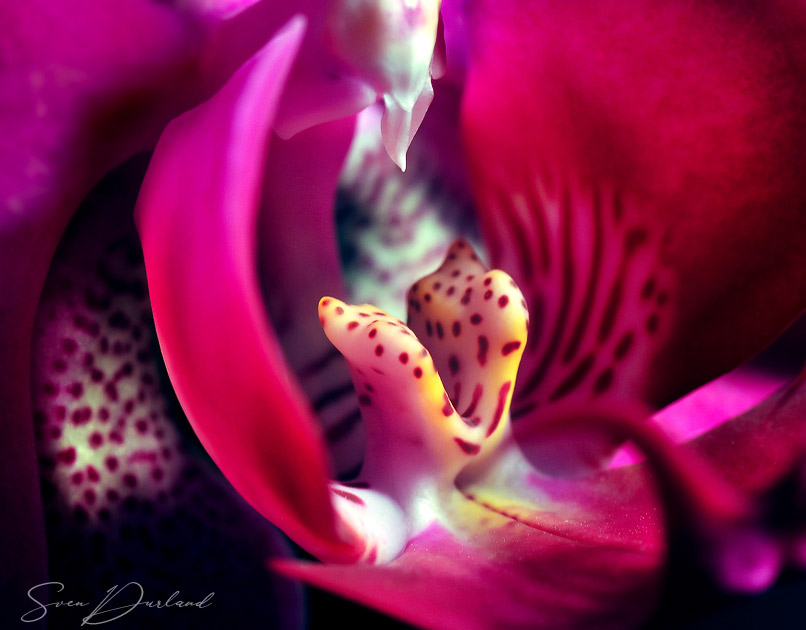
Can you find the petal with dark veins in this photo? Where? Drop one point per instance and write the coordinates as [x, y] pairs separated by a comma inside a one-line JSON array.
[[202, 190], [647, 194]]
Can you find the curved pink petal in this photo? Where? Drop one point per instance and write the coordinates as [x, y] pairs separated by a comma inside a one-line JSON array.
[[639, 168], [507, 576], [198, 221]]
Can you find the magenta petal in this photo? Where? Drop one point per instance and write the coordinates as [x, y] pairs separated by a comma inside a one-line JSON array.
[[758, 448], [198, 221], [510, 576], [639, 168], [72, 74]]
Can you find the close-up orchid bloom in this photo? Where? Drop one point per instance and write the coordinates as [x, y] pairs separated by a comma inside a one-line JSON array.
[[462, 311]]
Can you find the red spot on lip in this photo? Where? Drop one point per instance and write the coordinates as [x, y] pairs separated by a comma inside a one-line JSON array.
[[67, 456], [440, 331], [404, 358], [499, 408], [111, 463], [451, 290], [484, 346], [69, 345], [503, 301], [378, 350], [352, 325], [467, 447], [96, 439], [326, 302], [474, 401], [447, 408], [339, 310], [457, 329], [418, 372], [372, 333], [76, 389], [453, 364], [487, 282], [475, 319], [510, 347]]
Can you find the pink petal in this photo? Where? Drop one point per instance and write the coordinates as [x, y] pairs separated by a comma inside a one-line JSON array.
[[639, 172], [198, 220], [758, 448], [711, 405], [507, 576]]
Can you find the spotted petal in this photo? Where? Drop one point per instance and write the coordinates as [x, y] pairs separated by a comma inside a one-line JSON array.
[[126, 494], [80, 82]]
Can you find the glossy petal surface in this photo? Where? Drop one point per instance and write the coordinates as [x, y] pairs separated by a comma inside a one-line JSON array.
[[223, 358], [128, 494]]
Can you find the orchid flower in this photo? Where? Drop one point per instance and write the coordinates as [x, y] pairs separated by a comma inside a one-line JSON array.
[[591, 165], [610, 207], [89, 85]]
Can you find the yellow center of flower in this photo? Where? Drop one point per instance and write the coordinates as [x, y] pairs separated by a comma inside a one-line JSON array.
[[428, 415]]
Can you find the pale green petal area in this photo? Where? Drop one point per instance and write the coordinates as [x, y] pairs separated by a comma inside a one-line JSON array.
[[395, 227]]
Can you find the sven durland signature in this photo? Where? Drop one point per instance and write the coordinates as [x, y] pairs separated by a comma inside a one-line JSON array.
[[118, 602]]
